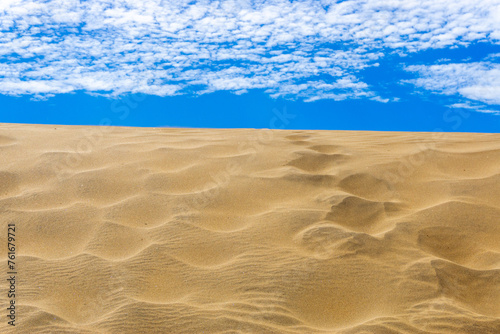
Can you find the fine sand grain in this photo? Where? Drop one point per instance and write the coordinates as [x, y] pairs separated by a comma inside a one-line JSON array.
[[160, 230]]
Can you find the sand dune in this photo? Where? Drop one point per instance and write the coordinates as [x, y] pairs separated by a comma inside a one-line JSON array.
[[127, 230]]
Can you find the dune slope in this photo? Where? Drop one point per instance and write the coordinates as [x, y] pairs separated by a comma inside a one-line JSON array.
[[129, 230]]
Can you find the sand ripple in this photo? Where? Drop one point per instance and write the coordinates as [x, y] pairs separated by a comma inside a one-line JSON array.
[[215, 231]]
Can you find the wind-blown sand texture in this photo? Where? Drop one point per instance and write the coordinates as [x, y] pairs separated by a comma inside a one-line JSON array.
[[129, 230]]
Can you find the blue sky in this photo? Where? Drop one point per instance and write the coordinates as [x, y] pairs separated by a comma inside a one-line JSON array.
[[319, 64]]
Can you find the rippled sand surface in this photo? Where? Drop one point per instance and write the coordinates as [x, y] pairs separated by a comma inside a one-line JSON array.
[[129, 230]]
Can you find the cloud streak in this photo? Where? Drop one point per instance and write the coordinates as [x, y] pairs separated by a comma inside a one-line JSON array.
[[300, 49], [479, 81]]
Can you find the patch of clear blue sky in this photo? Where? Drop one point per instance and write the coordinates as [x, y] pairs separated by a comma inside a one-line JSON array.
[[413, 111], [251, 110]]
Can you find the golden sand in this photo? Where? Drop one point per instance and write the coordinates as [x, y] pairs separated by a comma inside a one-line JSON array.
[[129, 230]]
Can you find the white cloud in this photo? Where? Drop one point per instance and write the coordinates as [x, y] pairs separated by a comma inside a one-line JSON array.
[[478, 81], [285, 47], [475, 107], [487, 94]]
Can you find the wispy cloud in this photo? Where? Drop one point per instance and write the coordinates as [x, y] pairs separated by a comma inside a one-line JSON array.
[[474, 107], [313, 49], [478, 81]]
